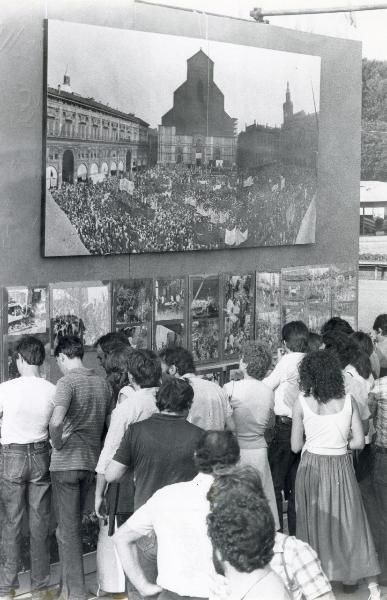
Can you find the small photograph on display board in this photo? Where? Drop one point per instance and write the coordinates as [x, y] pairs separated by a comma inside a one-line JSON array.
[[26, 310], [318, 296], [215, 375], [168, 334], [294, 293], [81, 309], [204, 297], [205, 339], [170, 299], [132, 310], [238, 297], [208, 156], [268, 309], [344, 292], [233, 373]]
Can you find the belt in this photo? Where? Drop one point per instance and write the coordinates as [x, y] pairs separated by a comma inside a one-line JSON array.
[[380, 449], [283, 419], [31, 446]]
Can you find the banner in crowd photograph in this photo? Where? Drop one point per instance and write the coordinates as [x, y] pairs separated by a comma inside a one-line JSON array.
[[191, 144], [238, 298], [80, 309]]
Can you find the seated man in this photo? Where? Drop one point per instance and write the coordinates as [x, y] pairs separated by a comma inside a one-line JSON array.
[[177, 515], [242, 533]]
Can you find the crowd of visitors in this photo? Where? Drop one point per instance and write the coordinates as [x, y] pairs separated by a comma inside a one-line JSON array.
[[180, 208], [191, 480]]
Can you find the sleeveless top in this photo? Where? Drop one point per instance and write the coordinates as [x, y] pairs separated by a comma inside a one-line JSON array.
[[327, 434]]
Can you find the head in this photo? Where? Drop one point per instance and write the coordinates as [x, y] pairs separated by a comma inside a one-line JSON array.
[[321, 376], [336, 324], [176, 361], [314, 342], [295, 336], [144, 368], [380, 326], [342, 344], [175, 396], [108, 342], [29, 351], [117, 367], [68, 351], [364, 341], [255, 359], [217, 451], [241, 479], [242, 532]]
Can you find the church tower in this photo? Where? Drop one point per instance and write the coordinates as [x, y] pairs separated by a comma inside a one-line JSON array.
[[66, 87], [287, 105]]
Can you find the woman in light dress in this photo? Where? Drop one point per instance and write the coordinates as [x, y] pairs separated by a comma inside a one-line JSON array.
[[330, 513], [252, 403]]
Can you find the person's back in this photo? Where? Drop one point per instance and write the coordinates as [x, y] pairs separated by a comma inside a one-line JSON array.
[[84, 420], [327, 425], [210, 407]]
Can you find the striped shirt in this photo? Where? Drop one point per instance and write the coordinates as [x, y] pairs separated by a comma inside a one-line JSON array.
[[379, 409], [88, 401]]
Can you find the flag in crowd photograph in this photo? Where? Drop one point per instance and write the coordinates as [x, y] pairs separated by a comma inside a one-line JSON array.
[[189, 145]]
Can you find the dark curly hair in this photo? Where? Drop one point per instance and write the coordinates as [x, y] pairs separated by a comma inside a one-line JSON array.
[[258, 358], [321, 376], [174, 395], [364, 341], [242, 479], [380, 323], [344, 346], [216, 451], [241, 528], [178, 356]]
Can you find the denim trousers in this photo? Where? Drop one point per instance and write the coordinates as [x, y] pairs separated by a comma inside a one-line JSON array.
[[25, 486], [70, 490], [283, 465]]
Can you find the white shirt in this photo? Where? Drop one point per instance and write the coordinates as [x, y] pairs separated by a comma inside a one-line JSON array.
[[210, 406], [284, 381], [133, 406], [359, 389], [177, 514], [26, 404]]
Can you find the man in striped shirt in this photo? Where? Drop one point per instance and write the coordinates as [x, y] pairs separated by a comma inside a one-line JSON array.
[[82, 404]]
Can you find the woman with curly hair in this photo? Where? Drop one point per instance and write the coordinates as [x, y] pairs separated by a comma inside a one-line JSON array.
[[330, 512], [252, 403]]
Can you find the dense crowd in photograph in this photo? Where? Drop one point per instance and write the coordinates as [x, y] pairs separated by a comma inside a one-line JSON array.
[[272, 486], [178, 208]]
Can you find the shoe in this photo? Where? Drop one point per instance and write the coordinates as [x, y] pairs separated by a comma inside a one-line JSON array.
[[350, 588], [51, 593]]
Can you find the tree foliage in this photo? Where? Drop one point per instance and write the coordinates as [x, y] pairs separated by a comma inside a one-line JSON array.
[[374, 120]]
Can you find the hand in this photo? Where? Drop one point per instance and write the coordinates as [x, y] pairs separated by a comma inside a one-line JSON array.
[[100, 507], [150, 589]]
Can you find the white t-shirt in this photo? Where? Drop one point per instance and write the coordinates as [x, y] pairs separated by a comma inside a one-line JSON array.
[[26, 405], [177, 514], [284, 381]]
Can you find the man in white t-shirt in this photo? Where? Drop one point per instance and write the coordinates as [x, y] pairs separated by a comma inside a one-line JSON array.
[[26, 406]]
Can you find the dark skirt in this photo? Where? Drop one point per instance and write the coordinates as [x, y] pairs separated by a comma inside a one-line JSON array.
[[331, 517]]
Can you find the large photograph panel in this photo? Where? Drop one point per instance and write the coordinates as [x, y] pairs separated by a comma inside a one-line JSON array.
[[189, 145]]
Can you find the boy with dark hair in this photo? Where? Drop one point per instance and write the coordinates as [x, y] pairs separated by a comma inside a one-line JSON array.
[[284, 382], [211, 408], [26, 405], [336, 324], [82, 406], [380, 329]]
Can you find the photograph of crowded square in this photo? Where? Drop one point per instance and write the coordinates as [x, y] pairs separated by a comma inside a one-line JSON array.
[[161, 143]]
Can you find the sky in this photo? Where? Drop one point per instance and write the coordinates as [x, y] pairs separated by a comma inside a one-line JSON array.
[[138, 72]]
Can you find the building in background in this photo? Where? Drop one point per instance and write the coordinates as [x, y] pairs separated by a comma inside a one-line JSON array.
[[88, 140], [197, 130]]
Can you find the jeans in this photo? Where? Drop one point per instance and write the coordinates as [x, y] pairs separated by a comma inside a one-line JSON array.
[[25, 485], [379, 480], [70, 490], [283, 465]]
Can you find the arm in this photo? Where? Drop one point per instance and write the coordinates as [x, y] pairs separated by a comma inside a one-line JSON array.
[[357, 440], [100, 489], [56, 426], [115, 471], [125, 538], [274, 379], [297, 436], [114, 436]]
